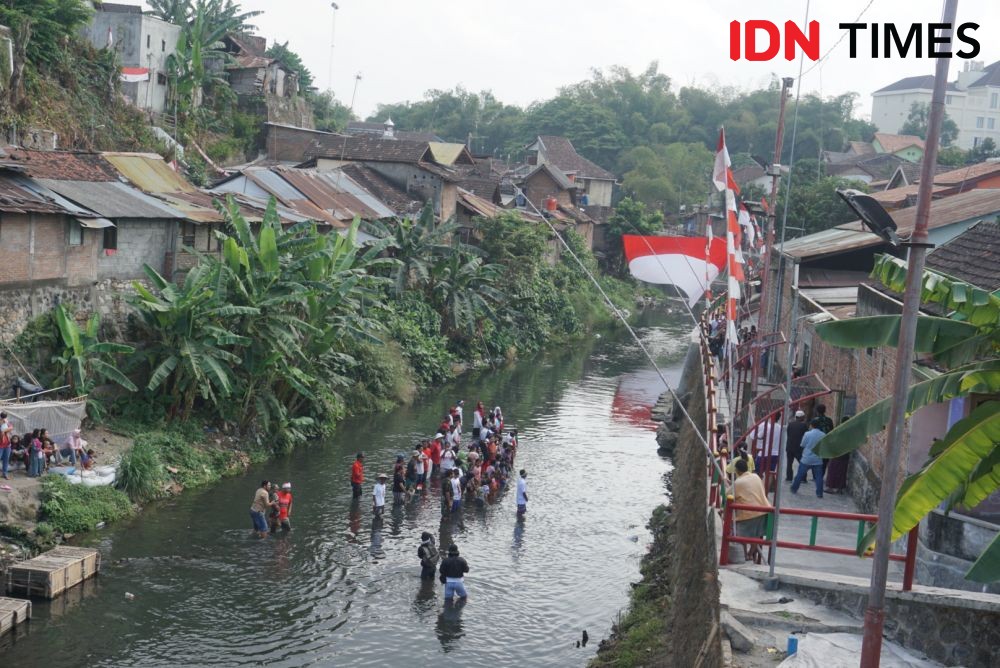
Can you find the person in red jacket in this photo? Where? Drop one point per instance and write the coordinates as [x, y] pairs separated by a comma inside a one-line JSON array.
[[358, 475], [285, 506]]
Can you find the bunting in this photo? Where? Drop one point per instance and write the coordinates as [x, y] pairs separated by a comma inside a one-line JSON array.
[[722, 177]]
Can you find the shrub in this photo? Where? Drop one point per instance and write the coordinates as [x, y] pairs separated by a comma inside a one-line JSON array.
[[44, 530], [73, 508], [141, 474]]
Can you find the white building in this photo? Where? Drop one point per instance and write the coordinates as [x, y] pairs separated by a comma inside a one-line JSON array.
[[972, 101]]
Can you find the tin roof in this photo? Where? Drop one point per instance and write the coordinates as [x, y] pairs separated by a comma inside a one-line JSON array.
[[112, 199], [329, 192], [15, 197], [62, 165], [149, 172]]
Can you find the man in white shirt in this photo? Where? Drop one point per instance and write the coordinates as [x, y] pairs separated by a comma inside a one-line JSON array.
[[522, 494], [767, 443], [458, 413], [456, 491], [378, 495]]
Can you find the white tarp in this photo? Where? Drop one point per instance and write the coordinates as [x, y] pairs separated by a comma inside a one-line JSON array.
[[843, 650], [59, 417]]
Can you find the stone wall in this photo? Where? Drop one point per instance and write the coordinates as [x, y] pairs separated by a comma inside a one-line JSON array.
[[952, 629], [695, 635], [949, 545]]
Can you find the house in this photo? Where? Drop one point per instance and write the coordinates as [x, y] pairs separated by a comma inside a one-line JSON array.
[[595, 183], [143, 43], [869, 168], [263, 85], [904, 183], [387, 129], [552, 193], [972, 101], [411, 166], [907, 147], [752, 174]]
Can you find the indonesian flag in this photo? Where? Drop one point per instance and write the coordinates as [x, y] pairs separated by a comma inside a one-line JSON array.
[[133, 74], [688, 263], [722, 177]]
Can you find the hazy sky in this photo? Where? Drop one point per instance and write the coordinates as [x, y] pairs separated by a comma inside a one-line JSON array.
[[523, 50]]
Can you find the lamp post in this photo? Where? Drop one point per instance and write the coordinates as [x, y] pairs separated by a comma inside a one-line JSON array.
[[357, 80], [333, 29], [871, 648]]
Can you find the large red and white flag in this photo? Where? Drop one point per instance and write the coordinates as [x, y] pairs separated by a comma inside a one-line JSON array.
[[722, 177], [679, 261], [133, 74]]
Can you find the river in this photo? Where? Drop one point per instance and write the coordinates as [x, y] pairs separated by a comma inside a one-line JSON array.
[[339, 591]]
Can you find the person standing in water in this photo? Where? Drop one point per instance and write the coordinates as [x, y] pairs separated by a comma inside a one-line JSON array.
[[522, 494], [428, 554], [378, 495], [453, 570], [258, 508], [357, 475], [285, 507]]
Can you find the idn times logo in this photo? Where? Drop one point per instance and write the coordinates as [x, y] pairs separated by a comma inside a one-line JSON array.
[[762, 40]]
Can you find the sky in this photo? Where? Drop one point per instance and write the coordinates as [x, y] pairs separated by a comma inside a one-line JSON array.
[[525, 50]]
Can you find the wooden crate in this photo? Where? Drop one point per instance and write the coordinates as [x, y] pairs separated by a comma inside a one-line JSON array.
[[13, 611], [52, 573]]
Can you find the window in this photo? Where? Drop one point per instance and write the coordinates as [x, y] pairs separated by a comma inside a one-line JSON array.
[[187, 234], [991, 123], [75, 233], [975, 142], [110, 238], [148, 41], [979, 121], [161, 78], [994, 100], [947, 99]]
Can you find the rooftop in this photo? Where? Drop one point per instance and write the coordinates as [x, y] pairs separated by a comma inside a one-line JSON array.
[[892, 143], [973, 256], [369, 148], [61, 165], [561, 153]]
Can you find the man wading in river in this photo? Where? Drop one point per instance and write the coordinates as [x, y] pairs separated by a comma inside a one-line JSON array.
[[428, 554], [259, 507], [453, 570], [357, 475]]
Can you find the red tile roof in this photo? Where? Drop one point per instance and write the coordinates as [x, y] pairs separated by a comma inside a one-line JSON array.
[[894, 143], [560, 152], [60, 165], [973, 256]]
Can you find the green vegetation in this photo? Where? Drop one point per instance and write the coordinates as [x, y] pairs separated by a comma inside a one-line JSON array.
[[916, 124], [963, 468], [69, 508]]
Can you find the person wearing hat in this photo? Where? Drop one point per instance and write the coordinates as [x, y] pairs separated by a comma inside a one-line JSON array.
[[285, 506], [793, 445], [429, 556], [378, 495], [357, 475], [453, 570]]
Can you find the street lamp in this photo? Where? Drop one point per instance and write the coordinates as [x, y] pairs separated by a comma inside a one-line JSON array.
[[871, 213], [333, 27]]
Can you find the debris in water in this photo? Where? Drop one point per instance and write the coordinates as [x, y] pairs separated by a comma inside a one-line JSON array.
[[129, 596]]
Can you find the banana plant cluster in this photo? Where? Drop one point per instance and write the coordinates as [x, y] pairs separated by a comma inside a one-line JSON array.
[[963, 468], [258, 332]]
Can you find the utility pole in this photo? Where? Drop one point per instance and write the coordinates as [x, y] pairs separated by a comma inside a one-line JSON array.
[[772, 218], [333, 29], [357, 80], [871, 648]]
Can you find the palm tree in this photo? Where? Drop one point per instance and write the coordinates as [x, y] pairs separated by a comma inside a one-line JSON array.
[[464, 291], [963, 467]]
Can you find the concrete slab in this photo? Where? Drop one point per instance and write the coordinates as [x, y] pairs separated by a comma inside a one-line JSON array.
[[744, 596]]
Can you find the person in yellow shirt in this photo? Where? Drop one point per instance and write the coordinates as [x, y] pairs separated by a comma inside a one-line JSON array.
[[748, 489]]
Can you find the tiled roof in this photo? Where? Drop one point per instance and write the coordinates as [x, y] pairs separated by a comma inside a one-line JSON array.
[[748, 173], [860, 148], [893, 143], [368, 148], [925, 82], [991, 76], [396, 199], [377, 129], [62, 165], [560, 152], [878, 165], [966, 176], [973, 256]]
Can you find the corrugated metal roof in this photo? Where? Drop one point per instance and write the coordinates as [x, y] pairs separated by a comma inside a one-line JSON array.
[[830, 296], [111, 199], [829, 242], [328, 196], [16, 198], [149, 172], [349, 185]]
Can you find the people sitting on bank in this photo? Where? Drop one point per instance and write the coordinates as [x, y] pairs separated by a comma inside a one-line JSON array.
[[18, 453], [74, 448], [748, 489], [36, 455], [810, 460]]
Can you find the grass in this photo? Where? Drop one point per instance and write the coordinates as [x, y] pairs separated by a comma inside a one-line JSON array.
[[71, 508]]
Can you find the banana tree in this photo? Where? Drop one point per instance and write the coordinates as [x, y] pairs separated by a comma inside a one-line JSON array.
[[963, 467], [84, 359]]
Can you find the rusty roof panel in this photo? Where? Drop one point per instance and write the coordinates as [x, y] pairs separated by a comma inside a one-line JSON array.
[[16, 198], [62, 165], [149, 172], [112, 199]]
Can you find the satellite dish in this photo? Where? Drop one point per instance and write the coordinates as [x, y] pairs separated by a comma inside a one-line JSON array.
[[871, 213]]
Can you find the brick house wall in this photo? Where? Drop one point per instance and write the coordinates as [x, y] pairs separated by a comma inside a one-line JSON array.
[[540, 186], [139, 242], [35, 247]]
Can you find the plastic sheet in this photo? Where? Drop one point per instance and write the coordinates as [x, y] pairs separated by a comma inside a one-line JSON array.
[[840, 650]]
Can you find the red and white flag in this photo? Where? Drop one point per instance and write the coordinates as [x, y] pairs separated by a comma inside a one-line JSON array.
[[688, 263], [722, 176], [133, 74]]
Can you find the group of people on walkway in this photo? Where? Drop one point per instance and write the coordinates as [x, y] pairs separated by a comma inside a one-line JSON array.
[[35, 451]]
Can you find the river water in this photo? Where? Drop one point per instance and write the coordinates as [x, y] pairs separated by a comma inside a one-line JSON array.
[[341, 591]]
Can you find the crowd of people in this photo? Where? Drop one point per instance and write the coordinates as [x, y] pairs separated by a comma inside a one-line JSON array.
[[36, 452], [475, 473]]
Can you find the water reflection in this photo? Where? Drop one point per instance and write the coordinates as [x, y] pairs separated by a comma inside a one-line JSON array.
[[375, 548], [449, 627], [518, 543]]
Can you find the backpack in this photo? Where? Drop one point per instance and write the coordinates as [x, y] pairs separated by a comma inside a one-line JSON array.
[[428, 555]]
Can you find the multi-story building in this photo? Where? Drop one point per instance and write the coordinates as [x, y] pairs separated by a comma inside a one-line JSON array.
[[144, 43], [972, 101]]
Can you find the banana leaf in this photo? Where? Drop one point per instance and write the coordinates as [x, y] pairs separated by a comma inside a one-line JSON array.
[[950, 342], [987, 566]]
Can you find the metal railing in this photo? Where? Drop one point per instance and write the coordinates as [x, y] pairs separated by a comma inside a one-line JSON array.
[[728, 525]]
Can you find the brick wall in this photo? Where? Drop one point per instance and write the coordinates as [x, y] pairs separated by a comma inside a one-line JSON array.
[[35, 247], [139, 242], [541, 186], [283, 143]]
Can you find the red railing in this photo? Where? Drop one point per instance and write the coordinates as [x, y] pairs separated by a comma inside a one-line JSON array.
[[728, 524], [717, 486]]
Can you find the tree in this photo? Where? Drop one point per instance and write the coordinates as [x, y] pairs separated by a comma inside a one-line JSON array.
[[985, 149], [666, 177], [48, 24], [814, 205], [464, 290], [630, 217], [293, 61], [916, 124], [329, 114], [177, 12], [963, 468], [84, 359]]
